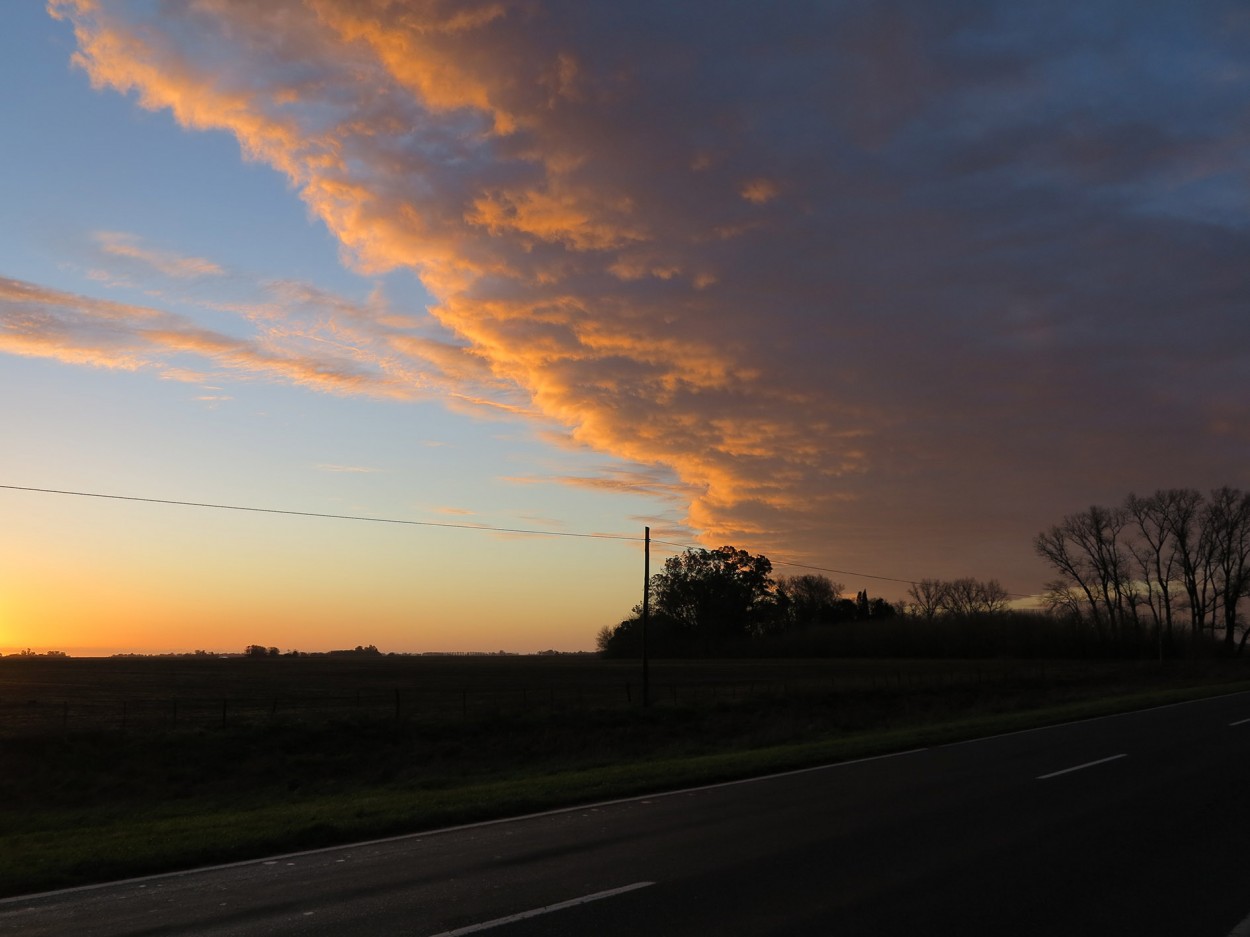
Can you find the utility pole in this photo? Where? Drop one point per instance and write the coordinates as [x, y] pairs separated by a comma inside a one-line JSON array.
[[646, 614]]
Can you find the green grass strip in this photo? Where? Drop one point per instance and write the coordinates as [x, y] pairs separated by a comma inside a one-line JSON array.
[[65, 848]]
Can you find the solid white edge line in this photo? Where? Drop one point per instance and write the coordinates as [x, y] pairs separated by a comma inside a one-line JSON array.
[[1239, 722], [259, 860], [548, 909], [1088, 764], [498, 821]]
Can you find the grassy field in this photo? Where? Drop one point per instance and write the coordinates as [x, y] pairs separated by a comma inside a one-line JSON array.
[[123, 766]]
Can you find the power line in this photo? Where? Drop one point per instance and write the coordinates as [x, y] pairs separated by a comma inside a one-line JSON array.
[[826, 569], [822, 569], [414, 523], [843, 572], [338, 517]]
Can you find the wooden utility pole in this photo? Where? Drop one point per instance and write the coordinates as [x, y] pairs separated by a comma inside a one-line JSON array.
[[646, 609]]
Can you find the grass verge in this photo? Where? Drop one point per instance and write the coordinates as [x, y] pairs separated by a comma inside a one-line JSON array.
[[127, 826]]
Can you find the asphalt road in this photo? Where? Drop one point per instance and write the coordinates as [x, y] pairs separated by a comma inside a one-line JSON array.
[[1136, 825]]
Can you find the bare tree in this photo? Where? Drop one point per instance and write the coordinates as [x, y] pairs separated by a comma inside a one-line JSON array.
[[927, 598], [1089, 550], [1138, 559], [1183, 514], [969, 596], [933, 597], [994, 597], [1156, 556], [1226, 522], [1062, 599]]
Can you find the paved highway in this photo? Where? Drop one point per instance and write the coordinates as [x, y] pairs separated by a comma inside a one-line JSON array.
[[1136, 824]]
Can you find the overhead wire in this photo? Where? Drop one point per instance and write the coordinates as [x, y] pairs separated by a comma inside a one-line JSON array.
[[416, 523], [822, 569], [339, 517]]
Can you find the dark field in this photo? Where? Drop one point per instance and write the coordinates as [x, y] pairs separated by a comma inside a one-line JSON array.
[[118, 766], [39, 695]]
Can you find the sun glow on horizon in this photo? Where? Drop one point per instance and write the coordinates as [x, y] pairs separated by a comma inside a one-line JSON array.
[[524, 269]]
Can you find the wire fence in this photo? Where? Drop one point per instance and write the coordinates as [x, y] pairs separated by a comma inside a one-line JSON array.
[[442, 705]]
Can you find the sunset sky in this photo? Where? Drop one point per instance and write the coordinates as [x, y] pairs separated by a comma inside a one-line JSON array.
[[881, 289]]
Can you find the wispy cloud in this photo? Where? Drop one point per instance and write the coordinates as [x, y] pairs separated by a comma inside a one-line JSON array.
[[312, 343], [130, 247], [347, 469], [653, 483], [864, 278]]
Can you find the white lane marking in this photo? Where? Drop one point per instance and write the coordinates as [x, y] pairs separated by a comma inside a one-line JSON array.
[[571, 903], [1088, 764], [443, 831], [1077, 722], [1239, 722], [502, 821]]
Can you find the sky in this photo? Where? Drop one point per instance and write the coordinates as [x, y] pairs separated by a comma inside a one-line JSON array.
[[880, 290]]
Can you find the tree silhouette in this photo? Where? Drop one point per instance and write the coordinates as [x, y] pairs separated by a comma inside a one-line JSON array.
[[808, 600], [715, 594]]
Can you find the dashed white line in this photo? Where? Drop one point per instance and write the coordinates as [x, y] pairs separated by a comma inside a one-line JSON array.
[[571, 903], [1088, 764], [1239, 722]]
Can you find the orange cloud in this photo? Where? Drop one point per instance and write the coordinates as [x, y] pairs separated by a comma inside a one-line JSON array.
[[596, 203], [566, 219], [119, 244], [523, 224], [307, 337], [759, 191]]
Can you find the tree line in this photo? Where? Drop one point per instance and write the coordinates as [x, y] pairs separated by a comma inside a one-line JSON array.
[[707, 602], [1161, 575], [1167, 570]]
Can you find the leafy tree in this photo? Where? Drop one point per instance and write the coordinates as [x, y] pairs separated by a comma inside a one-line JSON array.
[[862, 608], [808, 600], [879, 608], [665, 637], [715, 594]]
